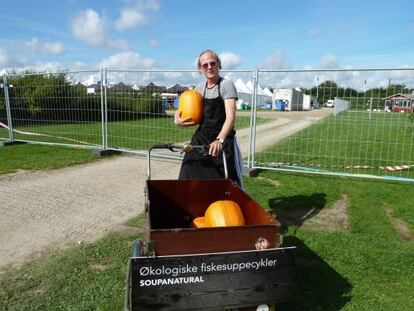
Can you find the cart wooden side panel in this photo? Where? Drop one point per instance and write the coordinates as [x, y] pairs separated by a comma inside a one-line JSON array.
[[173, 204]]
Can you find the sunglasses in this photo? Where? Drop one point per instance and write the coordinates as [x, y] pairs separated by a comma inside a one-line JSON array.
[[211, 64]]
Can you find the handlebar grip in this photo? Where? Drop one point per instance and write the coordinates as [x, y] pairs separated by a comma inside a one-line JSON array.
[[160, 146]]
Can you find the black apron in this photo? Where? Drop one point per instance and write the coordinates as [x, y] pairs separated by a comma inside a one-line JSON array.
[[199, 166]]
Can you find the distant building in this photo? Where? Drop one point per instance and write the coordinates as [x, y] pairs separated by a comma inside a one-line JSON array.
[[292, 99], [120, 87], [399, 103], [152, 88], [177, 89], [93, 88], [309, 102]]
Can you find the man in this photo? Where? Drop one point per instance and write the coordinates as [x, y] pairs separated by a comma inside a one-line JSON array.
[[216, 128]]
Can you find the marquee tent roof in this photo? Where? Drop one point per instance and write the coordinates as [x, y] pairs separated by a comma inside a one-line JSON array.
[[241, 87], [247, 88], [260, 91], [249, 85], [89, 81], [268, 92]]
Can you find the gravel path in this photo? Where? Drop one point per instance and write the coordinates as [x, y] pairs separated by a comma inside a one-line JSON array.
[[47, 210]]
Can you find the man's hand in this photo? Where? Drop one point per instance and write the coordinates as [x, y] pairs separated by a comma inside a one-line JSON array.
[[215, 148], [182, 122]]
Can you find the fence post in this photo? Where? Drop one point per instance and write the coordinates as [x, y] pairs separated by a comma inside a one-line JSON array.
[[252, 140], [104, 109], [105, 85], [8, 109]]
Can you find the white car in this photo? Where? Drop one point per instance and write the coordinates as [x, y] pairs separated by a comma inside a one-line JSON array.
[[330, 103]]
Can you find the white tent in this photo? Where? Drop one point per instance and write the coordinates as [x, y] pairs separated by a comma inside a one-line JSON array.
[[89, 81], [3, 72], [260, 91], [268, 92], [249, 85], [241, 87], [263, 97]]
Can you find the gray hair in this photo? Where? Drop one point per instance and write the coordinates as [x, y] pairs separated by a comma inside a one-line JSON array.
[[218, 60]]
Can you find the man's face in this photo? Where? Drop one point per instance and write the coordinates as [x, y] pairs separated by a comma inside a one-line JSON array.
[[209, 66]]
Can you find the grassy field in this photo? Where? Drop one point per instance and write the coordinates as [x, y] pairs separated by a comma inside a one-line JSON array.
[[136, 134], [366, 265], [41, 157], [350, 139], [342, 143]]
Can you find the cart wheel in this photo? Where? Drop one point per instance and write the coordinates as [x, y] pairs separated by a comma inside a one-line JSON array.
[[137, 248]]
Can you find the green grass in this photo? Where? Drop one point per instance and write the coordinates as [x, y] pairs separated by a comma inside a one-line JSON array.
[[133, 134], [87, 277], [137, 134], [350, 139], [366, 267], [41, 157]]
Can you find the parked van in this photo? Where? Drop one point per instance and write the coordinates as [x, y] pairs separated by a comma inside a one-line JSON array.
[[329, 103]]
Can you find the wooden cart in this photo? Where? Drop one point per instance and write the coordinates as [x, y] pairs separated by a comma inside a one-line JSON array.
[[182, 268]]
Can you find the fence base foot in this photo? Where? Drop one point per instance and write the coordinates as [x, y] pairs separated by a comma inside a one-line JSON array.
[[251, 172], [104, 152], [11, 143]]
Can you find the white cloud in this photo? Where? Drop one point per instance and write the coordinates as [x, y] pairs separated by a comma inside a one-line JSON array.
[[119, 44], [90, 28], [9, 61], [153, 5], [130, 18], [127, 60], [229, 60], [329, 61], [44, 48], [3, 57], [47, 66], [277, 60], [154, 43], [136, 15]]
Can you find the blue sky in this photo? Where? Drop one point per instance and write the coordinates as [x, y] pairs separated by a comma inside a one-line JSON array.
[[166, 34]]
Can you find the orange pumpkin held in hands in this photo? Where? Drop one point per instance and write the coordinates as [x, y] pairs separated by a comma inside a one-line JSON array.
[[191, 106], [224, 213]]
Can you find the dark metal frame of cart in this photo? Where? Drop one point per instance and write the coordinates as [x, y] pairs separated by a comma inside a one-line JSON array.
[[183, 268]]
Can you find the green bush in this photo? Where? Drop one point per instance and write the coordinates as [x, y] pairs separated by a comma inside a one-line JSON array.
[[52, 98]]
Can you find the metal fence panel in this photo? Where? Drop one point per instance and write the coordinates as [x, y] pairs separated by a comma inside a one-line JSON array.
[[55, 108], [140, 107], [341, 122], [367, 134]]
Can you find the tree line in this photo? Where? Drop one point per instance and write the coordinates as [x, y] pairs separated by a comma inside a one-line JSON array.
[[54, 99], [329, 90]]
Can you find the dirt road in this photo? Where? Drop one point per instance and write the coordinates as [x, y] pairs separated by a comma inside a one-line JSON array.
[[47, 210]]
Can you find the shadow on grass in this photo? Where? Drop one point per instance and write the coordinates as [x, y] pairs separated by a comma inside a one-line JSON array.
[[317, 285], [295, 210]]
